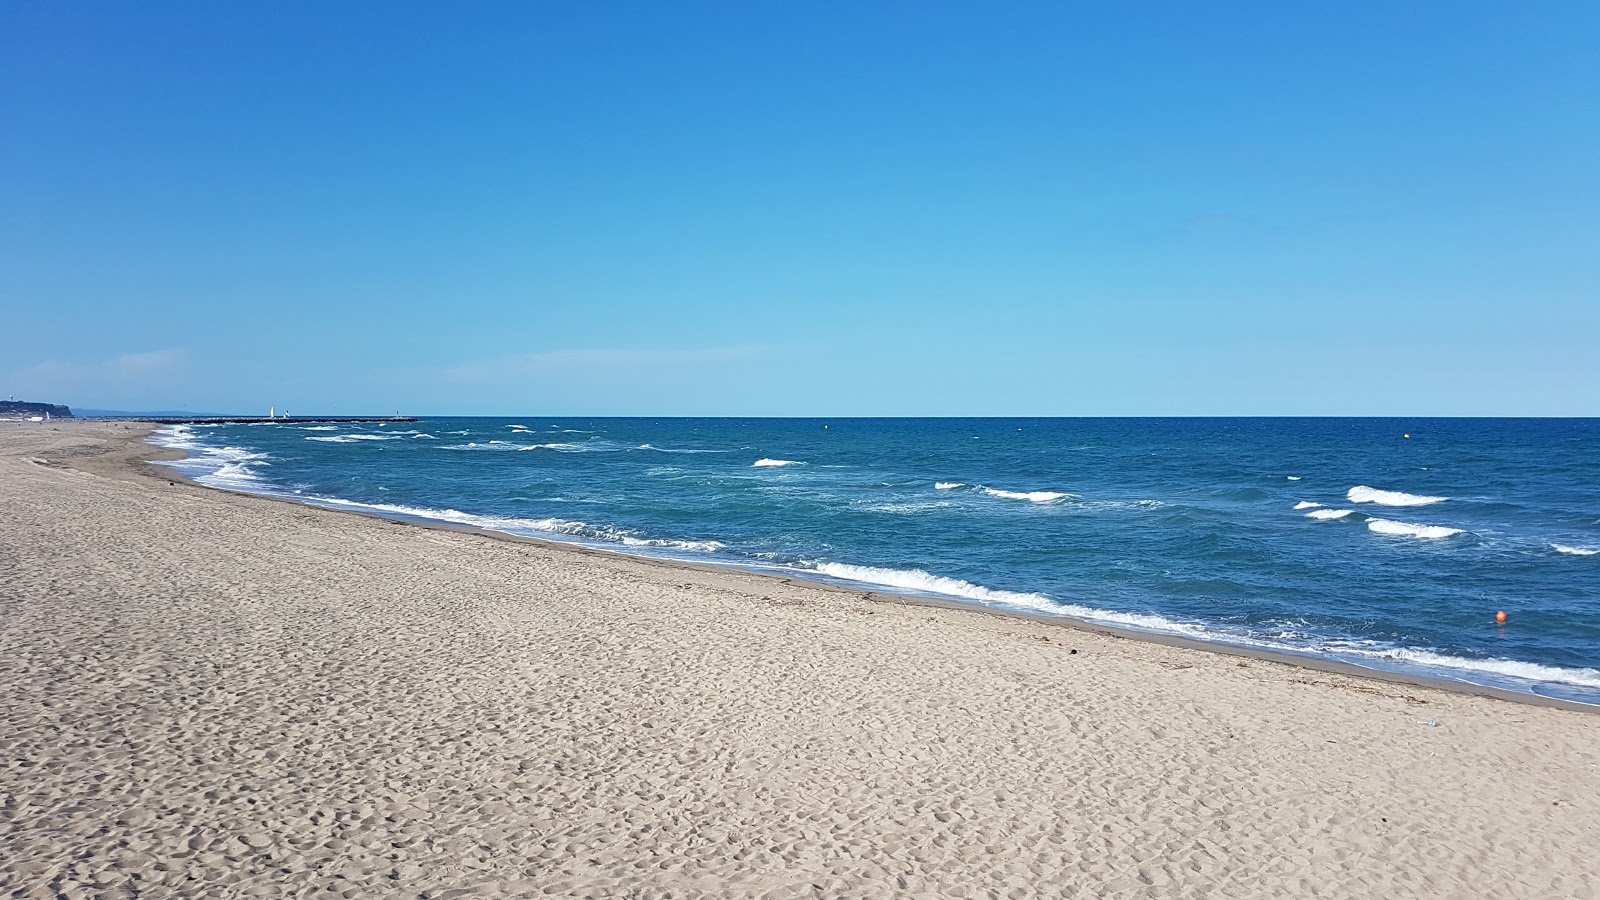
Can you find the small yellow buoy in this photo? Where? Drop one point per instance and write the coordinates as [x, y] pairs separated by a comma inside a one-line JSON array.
[[1500, 617], [1408, 437]]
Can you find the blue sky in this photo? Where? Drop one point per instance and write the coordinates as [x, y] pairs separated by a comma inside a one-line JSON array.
[[798, 209]]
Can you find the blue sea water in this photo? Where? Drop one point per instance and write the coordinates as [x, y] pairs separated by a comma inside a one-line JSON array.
[[1342, 538]]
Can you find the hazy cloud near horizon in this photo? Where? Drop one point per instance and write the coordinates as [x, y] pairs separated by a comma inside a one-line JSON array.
[[128, 378]]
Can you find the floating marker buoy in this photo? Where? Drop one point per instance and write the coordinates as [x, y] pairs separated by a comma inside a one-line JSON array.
[[1500, 617], [1408, 437]]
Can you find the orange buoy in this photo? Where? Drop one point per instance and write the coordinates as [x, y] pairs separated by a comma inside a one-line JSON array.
[[1500, 617]]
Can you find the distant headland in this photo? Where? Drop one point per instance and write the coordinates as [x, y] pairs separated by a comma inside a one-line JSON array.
[[22, 409]]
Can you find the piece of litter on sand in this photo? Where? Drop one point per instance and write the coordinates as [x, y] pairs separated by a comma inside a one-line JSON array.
[[1430, 723]]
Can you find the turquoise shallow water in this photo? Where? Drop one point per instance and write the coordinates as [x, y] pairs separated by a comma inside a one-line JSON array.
[[1333, 537]]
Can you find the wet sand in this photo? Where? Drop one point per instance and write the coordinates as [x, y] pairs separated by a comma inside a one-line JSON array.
[[211, 694]]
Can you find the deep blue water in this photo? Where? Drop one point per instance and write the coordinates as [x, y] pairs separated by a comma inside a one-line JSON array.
[[1200, 527]]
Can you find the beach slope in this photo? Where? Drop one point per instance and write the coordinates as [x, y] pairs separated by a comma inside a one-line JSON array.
[[209, 694]]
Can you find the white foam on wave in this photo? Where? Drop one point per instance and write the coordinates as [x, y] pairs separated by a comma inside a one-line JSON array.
[[1099, 505], [765, 463], [181, 437], [352, 438], [1292, 477], [1306, 504], [1030, 496], [508, 446], [558, 447], [517, 525], [1328, 514], [223, 467], [699, 546], [917, 581], [422, 435], [1407, 529], [1574, 551], [320, 428], [1363, 494], [1505, 668], [910, 508], [947, 485], [676, 449]]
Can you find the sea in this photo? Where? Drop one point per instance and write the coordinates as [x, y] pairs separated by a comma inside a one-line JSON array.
[[1385, 543]]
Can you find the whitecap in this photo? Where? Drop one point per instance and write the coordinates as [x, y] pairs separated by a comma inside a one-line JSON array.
[[559, 448], [352, 438], [1363, 494], [917, 581], [1574, 551], [1326, 514], [1030, 496], [947, 485], [1406, 529], [1306, 504], [697, 546], [908, 508], [1506, 668], [676, 449], [765, 463], [223, 467], [320, 428], [1097, 505], [1292, 477], [517, 525]]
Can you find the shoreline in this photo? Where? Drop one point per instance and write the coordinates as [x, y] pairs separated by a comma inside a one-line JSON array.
[[1306, 660]]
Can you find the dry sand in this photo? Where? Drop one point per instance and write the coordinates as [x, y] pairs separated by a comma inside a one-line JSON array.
[[211, 695]]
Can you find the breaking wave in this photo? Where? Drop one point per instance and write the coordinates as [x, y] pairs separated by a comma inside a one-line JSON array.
[[765, 463], [1574, 551], [525, 527], [909, 508], [1363, 494], [917, 581], [1306, 504], [558, 447], [1505, 668], [1406, 529], [1328, 514], [677, 449], [223, 467], [352, 438], [947, 485], [1030, 496]]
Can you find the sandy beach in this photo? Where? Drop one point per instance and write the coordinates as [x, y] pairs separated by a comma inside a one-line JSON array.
[[206, 694]]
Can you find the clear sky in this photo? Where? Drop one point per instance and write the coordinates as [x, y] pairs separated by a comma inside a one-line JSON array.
[[802, 208]]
